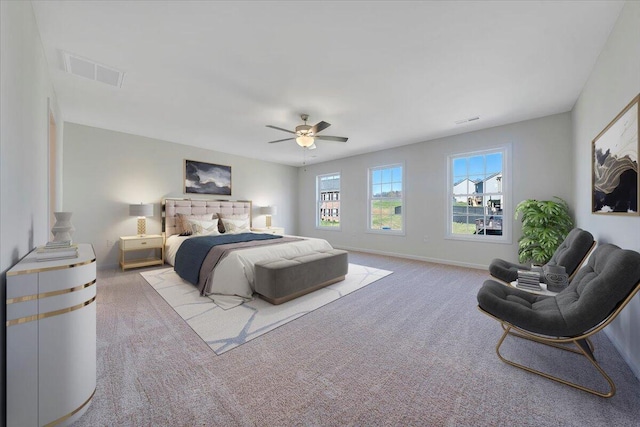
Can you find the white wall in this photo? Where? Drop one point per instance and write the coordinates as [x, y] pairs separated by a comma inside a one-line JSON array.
[[614, 81], [25, 87], [542, 159], [104, 171]]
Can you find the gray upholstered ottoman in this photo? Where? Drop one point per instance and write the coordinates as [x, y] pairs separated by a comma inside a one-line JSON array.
[[282, 279]]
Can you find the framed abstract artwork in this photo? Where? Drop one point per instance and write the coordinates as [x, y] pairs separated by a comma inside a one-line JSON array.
[[615, 179], [207, 178]]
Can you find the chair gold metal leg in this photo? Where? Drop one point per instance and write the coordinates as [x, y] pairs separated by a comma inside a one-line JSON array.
[[550, 344], [562, 346], [581, 350]]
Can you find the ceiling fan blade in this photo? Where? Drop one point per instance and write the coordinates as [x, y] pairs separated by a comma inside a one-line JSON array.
[[332, 138], [319, 127], [284, 130], [280, 140]]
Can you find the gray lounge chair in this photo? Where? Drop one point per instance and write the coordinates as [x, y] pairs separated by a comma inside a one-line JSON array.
[[597, 294], [571, 253]]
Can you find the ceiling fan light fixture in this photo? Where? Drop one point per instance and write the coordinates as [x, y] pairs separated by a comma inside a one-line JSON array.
[[304, 141], [306, 135]]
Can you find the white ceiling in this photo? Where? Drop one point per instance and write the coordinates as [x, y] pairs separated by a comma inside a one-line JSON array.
[[384, 74]]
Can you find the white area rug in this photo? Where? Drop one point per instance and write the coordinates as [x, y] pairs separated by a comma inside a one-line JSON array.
[[223, 330]]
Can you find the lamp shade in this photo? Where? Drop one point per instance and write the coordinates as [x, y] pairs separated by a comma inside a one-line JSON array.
[[142, 209], [304, 141], [268, 210]]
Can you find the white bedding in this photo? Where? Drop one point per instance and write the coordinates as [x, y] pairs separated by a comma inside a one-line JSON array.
[[233, 276]]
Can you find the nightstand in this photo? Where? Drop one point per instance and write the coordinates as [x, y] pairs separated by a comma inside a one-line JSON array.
[[270, 230], [147, 243]]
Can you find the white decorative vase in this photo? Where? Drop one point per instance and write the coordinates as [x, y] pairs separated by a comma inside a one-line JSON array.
[[63, 228]]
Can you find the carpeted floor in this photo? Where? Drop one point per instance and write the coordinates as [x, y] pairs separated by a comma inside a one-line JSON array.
[[409, 349], [225, 328]]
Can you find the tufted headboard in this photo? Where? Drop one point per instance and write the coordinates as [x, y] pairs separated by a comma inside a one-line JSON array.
[[172, 207]]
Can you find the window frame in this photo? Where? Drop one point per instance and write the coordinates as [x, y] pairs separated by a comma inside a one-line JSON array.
[[319, 201], [506, 193], [402, 199]]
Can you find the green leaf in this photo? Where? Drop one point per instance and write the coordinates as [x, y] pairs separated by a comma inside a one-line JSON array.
[[545, 223]]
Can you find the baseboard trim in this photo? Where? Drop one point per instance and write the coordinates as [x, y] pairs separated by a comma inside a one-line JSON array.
[[622, 350], [415, 257], [101, 266]]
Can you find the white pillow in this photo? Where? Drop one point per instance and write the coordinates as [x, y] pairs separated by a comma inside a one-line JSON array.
[[235, 226], [204, 227], [235, 217], [182, 221]]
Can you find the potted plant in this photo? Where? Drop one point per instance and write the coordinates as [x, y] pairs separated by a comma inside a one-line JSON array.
[[545, 224]]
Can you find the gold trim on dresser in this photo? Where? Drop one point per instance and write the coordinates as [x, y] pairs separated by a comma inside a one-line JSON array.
[[49, 314], [40, 270], [71, 414], [50, 294]]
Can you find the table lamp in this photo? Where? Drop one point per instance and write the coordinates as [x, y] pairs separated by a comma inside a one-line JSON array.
[[142, 211], [268, 211]]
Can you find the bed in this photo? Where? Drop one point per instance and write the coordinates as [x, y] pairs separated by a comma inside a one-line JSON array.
[[231, 280]]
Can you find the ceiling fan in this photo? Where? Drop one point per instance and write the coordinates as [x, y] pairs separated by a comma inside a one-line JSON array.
[[305, 135]]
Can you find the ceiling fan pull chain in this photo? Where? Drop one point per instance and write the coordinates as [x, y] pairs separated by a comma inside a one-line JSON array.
[[304, 160]]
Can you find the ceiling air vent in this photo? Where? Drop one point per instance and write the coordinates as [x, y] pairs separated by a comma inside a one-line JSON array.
[[91, 70], [470, 119]]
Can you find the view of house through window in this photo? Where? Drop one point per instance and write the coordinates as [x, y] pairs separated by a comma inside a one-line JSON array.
[[476, 192], [328, 191], [386, 198]]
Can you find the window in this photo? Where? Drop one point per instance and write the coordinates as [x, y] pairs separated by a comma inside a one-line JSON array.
[[386, 199], [477, 197], [328, 200]]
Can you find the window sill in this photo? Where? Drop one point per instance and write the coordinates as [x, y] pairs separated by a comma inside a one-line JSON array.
[[386, 232], [328, 228], [503, 240]]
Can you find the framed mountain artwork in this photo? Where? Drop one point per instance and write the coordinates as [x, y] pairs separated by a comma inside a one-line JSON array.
[[207, 178]]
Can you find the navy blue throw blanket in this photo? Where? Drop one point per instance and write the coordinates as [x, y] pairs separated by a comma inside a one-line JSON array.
[[192, 252]]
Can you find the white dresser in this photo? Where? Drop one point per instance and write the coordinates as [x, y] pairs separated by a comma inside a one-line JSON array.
[[51, 339]]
